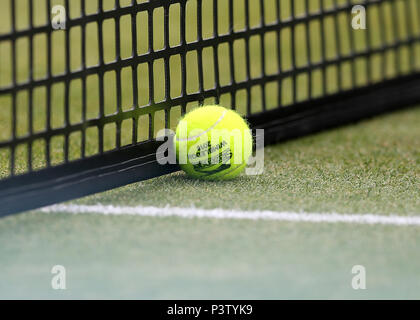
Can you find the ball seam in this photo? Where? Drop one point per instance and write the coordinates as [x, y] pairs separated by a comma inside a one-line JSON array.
[[205, 131]]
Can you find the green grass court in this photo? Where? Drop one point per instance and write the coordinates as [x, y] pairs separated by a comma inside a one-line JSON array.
[[369, 167], [338, 43]]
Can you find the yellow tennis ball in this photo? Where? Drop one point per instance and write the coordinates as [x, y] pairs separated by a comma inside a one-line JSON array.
[[213, 143]]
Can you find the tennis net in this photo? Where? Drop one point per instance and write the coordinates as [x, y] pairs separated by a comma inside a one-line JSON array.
[[81, 106]]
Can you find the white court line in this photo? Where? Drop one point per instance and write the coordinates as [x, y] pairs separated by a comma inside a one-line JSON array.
[[369, 219]]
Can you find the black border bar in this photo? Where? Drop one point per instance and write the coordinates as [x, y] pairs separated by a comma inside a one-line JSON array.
[[261, 309]]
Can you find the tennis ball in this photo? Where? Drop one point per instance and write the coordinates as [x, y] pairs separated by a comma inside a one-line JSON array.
[[213, 143]]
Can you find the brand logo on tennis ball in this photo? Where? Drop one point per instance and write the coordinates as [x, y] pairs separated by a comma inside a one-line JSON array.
[[209, 147], [212, 158], [208, 150]]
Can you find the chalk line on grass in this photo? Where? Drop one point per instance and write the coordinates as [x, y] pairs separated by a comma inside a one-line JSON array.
[[190, 213]]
